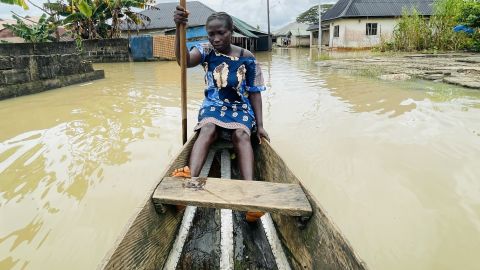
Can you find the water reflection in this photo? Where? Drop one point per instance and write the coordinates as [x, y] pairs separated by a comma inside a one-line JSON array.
[[55, 156], [394, 163]]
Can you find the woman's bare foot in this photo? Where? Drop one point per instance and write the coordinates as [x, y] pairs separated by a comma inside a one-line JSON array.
[[181, 172]]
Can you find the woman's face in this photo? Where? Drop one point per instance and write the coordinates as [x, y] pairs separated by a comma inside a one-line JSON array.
[[219, 35]]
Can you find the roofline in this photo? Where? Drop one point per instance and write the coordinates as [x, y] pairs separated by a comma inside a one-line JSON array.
[[374, 16], [346, 8]]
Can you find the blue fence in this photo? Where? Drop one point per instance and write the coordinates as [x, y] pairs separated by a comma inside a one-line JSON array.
[[141, 47]]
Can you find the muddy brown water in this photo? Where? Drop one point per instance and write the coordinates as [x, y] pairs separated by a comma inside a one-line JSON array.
[[395, 164]]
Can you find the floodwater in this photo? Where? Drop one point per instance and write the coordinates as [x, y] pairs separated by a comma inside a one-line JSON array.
[[395, 164]]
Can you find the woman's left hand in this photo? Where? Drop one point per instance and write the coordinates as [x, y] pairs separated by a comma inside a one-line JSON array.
[[262, 133]]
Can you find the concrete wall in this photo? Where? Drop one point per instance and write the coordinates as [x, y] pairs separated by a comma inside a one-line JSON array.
[[30, 68], [353, 32], [300, 41], [101, 50], [106, 50], [314, 38]]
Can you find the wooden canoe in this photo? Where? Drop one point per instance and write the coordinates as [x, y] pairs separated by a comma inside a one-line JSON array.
[[316, 243]]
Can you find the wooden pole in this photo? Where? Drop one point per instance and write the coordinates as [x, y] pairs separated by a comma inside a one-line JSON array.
[[320, 26], [269, 34], [183, 67]]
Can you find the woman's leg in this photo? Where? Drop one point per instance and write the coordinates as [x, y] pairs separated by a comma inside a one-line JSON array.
[[206, 136], [243, 148]]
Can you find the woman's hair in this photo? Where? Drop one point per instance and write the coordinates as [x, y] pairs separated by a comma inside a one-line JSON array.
[[222, 16]]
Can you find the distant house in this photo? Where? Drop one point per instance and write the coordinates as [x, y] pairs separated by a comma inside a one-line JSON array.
[[161, 23], [292, 35], [363, 23]]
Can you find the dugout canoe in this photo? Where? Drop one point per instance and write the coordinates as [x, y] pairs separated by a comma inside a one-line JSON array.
[[312, 242]]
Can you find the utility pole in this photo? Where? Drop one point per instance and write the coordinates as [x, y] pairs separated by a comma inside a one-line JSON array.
[[269, 34], [319, 26]]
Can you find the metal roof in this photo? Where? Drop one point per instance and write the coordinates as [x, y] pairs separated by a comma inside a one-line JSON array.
[[162, 18], [376, 8], [294, 28]]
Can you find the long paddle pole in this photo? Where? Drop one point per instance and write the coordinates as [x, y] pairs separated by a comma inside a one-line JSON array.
[[183, 67]]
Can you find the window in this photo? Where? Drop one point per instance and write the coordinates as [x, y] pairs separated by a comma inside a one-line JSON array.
[[372, 29], [336, 31]]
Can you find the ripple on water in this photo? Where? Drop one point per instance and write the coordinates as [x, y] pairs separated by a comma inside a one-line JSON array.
[[394, 164]]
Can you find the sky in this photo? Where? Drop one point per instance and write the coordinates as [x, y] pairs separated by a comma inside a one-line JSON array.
[[253, 12]]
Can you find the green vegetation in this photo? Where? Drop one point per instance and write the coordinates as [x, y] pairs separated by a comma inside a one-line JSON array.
[[21, 3], [417, 33], [85, 19], [470, 13], [88, 18], [470, 16], [40, 32], [311, 15]]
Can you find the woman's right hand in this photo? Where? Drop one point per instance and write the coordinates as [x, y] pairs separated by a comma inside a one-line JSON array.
[[180, 16]]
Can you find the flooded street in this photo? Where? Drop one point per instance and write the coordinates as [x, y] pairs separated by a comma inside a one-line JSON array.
[[395, 164]]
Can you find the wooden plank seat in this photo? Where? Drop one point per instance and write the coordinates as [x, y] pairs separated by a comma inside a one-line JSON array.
[[285, 199]]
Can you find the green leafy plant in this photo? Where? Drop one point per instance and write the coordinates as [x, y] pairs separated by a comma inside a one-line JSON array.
[[39, 32], [21, 3], [89, 18], [469, 14]]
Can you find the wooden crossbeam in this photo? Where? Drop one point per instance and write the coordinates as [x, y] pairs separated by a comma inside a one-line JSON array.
[[285, 199]]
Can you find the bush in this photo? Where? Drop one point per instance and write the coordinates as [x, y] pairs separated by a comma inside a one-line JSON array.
[[415, 32]]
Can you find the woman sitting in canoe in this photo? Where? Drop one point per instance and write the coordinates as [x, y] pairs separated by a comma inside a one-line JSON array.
[[232, 108]]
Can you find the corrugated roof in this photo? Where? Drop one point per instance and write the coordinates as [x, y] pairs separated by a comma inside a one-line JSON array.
[[243, 27], [376, 8], [312, 27], [294, 28], [162, 16], [199, 12]]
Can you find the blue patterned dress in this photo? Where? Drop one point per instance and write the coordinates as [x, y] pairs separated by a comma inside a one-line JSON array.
[[228, 80]]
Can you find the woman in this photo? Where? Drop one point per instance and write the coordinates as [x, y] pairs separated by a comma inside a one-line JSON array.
[[232, 108]]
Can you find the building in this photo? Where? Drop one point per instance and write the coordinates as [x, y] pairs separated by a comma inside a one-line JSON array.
[[364, 23], [292, 35], [161, 24]]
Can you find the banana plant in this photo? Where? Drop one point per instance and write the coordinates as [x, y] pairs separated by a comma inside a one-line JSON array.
[[21, 3], [39, 32], [88, 18]]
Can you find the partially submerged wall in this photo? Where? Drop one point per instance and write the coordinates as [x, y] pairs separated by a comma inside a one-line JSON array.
[[31, 68], [97, 50]]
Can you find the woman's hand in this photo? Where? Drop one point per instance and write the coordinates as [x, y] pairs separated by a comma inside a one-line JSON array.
[[180, 16], [262, 133]]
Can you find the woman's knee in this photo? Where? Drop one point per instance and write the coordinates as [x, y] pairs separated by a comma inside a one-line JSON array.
[[208, 131], [239, 136]]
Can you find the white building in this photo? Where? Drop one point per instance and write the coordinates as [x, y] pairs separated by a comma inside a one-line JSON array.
[[292, 35], [363, 23]]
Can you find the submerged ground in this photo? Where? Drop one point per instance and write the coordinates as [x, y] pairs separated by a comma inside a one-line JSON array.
[[395, 164]]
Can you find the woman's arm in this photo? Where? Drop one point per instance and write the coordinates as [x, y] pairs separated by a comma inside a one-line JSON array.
[[256, 102], [194, 57]]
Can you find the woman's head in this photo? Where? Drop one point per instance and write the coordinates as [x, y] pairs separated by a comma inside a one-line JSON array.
[[219, 28]]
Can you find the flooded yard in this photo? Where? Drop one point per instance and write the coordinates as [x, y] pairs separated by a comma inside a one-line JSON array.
[[395, 164]]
